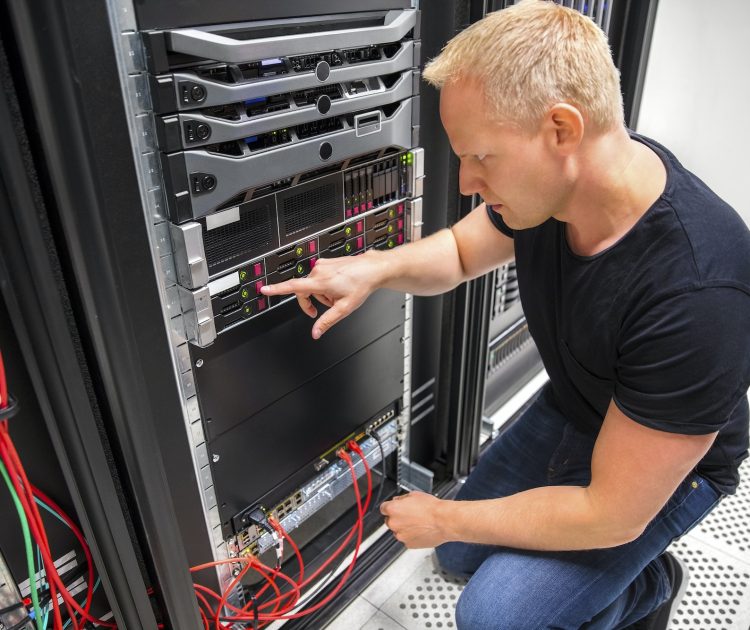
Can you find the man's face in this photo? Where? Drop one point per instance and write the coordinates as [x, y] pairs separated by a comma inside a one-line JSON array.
[[519, 174]]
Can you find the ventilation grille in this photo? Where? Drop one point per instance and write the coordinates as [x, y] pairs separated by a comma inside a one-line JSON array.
[[307, 209], [318, 127], [600, 11], [507, 347], [506, 289], [307, 97], [230, 244]]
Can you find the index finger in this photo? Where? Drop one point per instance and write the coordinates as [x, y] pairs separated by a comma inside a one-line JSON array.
[[303, 286]]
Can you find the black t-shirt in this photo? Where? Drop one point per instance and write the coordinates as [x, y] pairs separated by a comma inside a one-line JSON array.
[[659, 321]]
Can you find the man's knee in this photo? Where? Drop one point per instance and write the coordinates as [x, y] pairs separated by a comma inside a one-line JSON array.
[[484, 606], [452, 558]]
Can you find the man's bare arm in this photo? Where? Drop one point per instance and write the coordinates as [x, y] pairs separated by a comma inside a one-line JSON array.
[[429, 266], [634, 471]]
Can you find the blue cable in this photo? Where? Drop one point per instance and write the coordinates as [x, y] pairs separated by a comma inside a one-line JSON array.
[[60, 518], [46, 609], [93, 590]]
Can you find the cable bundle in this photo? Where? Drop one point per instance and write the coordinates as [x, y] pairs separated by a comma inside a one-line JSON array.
[[26, 497], [282, 606], [284, 599]]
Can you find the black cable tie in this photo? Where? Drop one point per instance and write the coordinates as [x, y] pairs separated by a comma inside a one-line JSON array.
[[6, 413]]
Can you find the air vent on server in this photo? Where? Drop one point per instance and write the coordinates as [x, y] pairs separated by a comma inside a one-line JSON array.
[[507, 346], [309, 97], [231, 244], [305, 211], [506, 289]]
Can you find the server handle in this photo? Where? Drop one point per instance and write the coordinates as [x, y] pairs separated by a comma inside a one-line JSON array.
[[207, 45]]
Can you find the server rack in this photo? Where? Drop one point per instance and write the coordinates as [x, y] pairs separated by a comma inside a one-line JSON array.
[[121, 190]]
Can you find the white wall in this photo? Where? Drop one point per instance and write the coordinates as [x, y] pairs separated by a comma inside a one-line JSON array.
[[696, 97]]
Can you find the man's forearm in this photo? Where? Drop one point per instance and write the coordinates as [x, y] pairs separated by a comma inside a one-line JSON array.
[[554, 518], [426, 267]]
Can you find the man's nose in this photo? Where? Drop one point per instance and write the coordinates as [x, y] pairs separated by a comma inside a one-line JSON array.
[[469, 181]]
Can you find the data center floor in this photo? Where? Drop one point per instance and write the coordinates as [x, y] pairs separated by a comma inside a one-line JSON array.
[[412, 595]]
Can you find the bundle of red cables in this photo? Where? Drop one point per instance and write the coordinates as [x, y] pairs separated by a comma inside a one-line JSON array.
[[280, 606], [27, 495], [283, 604]]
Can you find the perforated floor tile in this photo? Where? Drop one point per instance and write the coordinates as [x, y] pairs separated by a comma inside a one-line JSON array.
[[718, 594], [728, 526], [426, 600], [395, 576]]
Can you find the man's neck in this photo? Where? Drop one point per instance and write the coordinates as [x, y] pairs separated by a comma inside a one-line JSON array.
[[619, 180]]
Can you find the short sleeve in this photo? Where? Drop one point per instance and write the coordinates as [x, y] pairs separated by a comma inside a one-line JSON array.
[[684, 362], [498, 222]]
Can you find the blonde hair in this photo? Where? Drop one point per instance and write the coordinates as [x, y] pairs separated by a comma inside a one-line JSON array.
[[529, 57]]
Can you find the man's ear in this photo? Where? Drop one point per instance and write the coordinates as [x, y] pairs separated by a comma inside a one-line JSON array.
[[564, 126]]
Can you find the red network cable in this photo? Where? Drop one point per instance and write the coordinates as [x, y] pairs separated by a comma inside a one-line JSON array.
[[360, 529], [3, 387], [82, 541], [24, 490], [281, 605], [285, 612]]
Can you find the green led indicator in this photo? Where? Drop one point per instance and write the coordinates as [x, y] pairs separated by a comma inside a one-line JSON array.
[[348, 230], [299, 251], [390, 229], [392, 213], [247, 309], [300, 268], [348, 247], [391, 243], [243, 275], [245, 294]]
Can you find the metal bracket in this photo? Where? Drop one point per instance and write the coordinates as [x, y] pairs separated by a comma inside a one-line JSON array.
[[415, 477], [189, 254], [414, 223], [198, 316]]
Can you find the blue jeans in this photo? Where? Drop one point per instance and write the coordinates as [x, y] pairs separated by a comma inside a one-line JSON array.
[[597, 589]]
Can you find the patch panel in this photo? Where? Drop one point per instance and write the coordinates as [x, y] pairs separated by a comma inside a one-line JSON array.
[[337, 479]]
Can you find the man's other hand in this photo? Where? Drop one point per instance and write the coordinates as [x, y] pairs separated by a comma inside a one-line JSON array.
[[414, 519]]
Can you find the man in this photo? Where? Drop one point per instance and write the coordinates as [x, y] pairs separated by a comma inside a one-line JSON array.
[[635, 281]]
